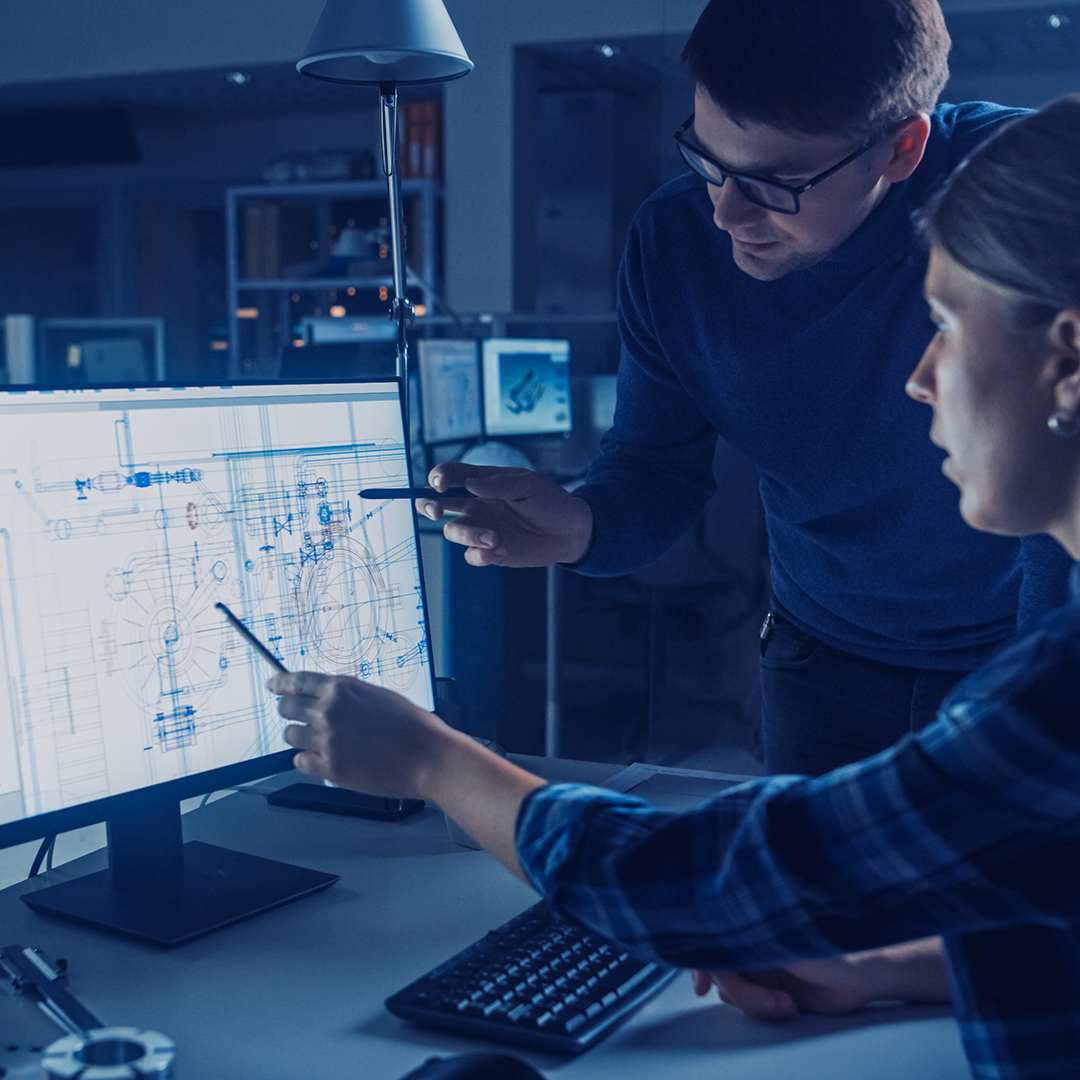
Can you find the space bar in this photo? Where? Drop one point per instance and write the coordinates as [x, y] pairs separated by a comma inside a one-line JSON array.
[[630, 983]]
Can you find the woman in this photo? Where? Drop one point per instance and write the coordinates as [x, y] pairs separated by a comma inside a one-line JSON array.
[[1003, 287], [970, 828]]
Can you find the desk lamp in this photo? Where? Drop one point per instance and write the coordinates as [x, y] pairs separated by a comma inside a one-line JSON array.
[[387, 43]]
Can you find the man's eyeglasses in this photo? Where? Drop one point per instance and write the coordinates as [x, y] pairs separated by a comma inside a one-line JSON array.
[[783, 198]]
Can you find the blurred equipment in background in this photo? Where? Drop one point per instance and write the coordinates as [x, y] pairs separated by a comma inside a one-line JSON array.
[[19, 348], [319, 167]]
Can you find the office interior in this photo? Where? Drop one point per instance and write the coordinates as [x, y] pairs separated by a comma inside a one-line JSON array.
[[134, 135], [156, 158]]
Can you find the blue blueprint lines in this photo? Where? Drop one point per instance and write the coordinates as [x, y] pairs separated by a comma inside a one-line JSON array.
[[126, 515]]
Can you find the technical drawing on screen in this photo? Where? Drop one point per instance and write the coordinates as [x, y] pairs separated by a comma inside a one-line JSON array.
[[125, 515]]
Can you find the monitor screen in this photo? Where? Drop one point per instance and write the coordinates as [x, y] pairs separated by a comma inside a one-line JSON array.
[[526, 386], [125, 516], [449, 390], [91, 352]]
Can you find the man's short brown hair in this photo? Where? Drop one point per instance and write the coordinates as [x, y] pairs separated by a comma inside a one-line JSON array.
[[821, 66]]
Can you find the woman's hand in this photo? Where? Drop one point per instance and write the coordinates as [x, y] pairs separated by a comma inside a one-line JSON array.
[[358, 735], [369, 739], [912, 972]]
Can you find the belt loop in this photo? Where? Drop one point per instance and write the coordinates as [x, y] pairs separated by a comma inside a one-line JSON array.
[[767, 630]]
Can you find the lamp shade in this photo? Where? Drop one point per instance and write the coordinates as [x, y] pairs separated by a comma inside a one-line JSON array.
[[385, 41]]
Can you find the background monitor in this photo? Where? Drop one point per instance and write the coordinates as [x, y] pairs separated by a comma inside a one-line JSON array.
[[526, 386], [125, 516], [116, 360], [449, 390], [78, 352]]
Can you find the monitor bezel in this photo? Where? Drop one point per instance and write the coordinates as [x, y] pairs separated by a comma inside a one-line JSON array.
[[96, 811]]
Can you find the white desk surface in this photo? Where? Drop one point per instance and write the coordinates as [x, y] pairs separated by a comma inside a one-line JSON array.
[[297, 993]]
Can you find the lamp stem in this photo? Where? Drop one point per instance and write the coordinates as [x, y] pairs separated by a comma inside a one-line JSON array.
[[401, 310]]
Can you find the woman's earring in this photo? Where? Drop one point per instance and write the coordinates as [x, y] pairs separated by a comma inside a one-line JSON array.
[[1065, 427]]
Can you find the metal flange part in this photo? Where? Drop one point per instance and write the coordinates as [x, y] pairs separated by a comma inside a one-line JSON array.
[[111, 1053]]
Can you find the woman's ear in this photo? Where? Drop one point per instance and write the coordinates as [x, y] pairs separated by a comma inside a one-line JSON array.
[[907, 144], [1064, 369]]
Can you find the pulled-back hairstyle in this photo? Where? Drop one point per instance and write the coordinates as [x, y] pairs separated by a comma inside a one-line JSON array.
[[1010, 213], [819, 67]]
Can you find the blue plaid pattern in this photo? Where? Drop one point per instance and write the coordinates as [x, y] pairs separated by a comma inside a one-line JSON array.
[[970, 828]]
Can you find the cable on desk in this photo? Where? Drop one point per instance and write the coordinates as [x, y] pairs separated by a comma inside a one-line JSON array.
[[43, 852]]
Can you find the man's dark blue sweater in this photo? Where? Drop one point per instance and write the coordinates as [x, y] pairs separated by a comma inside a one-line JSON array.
[[805, 375]]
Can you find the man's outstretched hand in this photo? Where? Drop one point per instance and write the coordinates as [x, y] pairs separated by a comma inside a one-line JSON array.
[[515, 518]]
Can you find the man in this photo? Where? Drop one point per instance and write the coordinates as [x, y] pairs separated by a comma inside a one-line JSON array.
[[773, 296]]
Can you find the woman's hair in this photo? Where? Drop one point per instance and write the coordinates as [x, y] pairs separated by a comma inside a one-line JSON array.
[[1010, 213]]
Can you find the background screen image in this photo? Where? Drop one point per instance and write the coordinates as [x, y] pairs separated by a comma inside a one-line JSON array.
[[526, 386], [449, 390]]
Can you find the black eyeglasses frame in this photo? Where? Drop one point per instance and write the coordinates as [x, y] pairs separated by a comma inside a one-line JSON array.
[[690, 152]]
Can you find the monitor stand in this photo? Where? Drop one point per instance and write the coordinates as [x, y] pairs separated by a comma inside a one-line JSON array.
[[162, 890]]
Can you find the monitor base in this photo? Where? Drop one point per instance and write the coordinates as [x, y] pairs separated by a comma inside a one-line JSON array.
[[218, 887]]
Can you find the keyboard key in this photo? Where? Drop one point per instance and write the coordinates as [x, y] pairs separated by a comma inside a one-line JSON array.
[[628, 986]]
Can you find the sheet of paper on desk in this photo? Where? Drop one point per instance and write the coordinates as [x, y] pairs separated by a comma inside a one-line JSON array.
[[670, 788]]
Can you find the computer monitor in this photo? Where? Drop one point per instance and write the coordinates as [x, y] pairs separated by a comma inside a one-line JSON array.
[[125, 516], [449, 390], [526, 386], [92, 352]]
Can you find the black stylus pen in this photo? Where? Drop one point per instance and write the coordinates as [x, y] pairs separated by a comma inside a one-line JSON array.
[[252, 640], [416, 493]]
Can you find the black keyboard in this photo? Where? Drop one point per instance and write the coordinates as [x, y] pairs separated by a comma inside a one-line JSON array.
[[535, 981]]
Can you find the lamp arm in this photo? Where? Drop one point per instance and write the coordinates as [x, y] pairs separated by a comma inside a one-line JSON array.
[[402, 310]]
